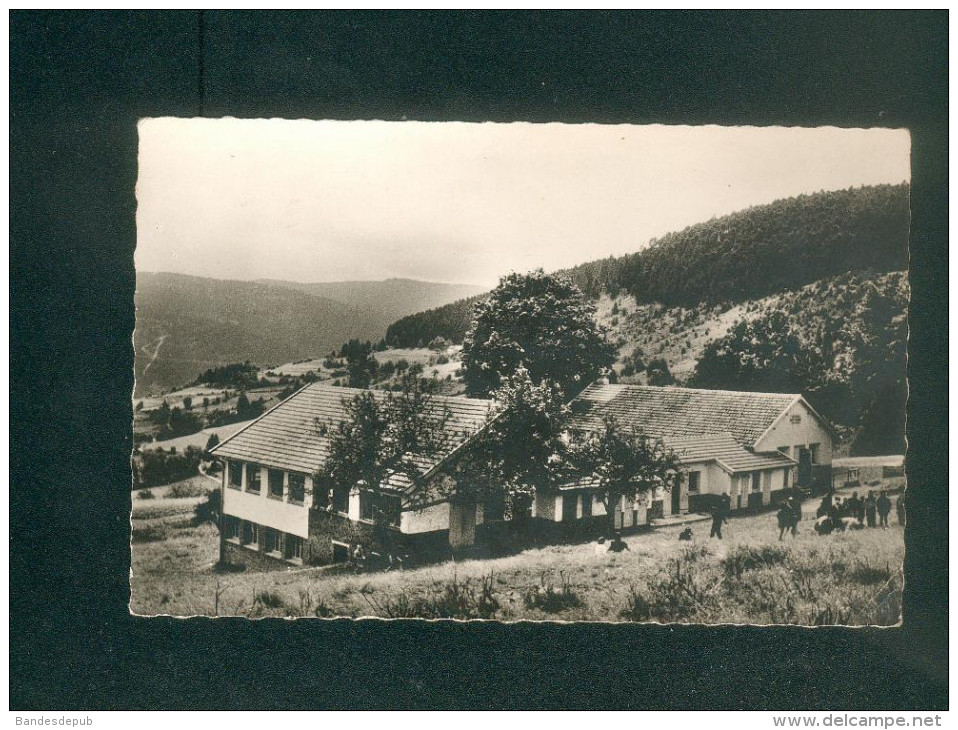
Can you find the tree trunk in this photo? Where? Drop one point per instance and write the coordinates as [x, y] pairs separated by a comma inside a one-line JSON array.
[[610, 517]]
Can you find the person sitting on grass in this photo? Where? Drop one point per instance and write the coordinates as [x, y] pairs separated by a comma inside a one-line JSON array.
[[618, 544], [600, 547]]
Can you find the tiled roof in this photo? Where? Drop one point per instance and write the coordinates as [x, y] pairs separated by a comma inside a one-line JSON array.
[[724, 449], [675, 412], [289, 436]]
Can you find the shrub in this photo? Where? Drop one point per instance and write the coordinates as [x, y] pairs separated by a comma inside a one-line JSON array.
[[546, 597], [150, 533], [869, 575], [742, 558], [269, 599], [186, 490], [637, 607], [459, 600], [209, 509]]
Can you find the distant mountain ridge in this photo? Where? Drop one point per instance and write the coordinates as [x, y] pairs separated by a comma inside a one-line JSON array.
[[393, 298], [186, 324]]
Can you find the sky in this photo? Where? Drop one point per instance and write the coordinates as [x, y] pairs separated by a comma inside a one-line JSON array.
[[464, 203]]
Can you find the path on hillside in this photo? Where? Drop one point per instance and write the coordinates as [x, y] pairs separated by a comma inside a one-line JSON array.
[[156, 351]]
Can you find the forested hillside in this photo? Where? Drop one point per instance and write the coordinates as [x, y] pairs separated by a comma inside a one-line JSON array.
[[841, 341], [743, 256]]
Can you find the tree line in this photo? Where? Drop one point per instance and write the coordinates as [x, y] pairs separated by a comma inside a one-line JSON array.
[[746, 255]]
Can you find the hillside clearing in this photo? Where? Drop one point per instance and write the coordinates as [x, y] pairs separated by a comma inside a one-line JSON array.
[[852, 578]]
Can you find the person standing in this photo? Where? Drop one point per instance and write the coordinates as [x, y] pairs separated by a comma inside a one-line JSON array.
[[718, 519], [795, 504], [785, 518], [884, 507], [870, 508]]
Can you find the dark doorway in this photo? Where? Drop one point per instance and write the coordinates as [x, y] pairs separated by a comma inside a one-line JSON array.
[[804, 467], [340, 552], [677, 499]]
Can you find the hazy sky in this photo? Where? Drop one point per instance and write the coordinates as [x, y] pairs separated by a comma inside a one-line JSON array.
[[328, 201]]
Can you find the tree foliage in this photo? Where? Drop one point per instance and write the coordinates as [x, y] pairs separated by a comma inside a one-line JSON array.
[[622, 463], [521, 449], [540, 322], [759, 355], [384, 436], [841, 342]]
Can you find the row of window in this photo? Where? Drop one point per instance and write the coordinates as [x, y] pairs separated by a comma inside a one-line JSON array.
[[293, 487], [277, 482], [272, 542]]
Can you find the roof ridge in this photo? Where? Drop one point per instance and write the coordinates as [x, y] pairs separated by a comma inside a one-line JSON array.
[[460, 398], [639, 386]]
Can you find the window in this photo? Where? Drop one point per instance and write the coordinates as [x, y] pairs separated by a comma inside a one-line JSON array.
[[341, 500], [250, 534], [270, 540], [756, 481], [297, 488], [795, 419], [367, 506], [586, 505], [236, 474], [293, 549], [275, 480], [252, 478], [694, 482], [814, 450], [392, 507], [231, 528]]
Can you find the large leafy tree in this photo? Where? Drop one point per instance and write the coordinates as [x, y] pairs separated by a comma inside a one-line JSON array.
[[521, 449], [622, 463], [540, 322], [759, 355], [384, 437]]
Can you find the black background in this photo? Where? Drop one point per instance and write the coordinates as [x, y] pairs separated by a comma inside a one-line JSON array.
[[80, 81]]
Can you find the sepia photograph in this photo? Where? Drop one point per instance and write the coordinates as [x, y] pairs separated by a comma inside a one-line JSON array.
[[520, 372]]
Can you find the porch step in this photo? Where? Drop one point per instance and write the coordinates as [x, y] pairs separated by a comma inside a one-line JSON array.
[[678, 520]]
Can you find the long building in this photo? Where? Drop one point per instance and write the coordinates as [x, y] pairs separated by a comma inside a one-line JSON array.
[[751, 447]]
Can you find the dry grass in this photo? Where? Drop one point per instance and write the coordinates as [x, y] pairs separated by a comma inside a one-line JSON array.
[[850, 578]]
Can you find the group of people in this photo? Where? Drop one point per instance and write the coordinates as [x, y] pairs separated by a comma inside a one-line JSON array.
[[837, 513], [359, 560]]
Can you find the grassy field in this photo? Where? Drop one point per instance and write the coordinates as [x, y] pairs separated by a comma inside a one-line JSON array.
[[750, 577]]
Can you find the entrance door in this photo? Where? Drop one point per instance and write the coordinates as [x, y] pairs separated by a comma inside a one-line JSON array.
[[804, 467], [677, 499]]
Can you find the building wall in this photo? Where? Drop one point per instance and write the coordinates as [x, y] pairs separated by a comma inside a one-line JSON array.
[[462, 523], [428, 519], [549, 507], [808, 430], [234, 554], [265, 510]]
